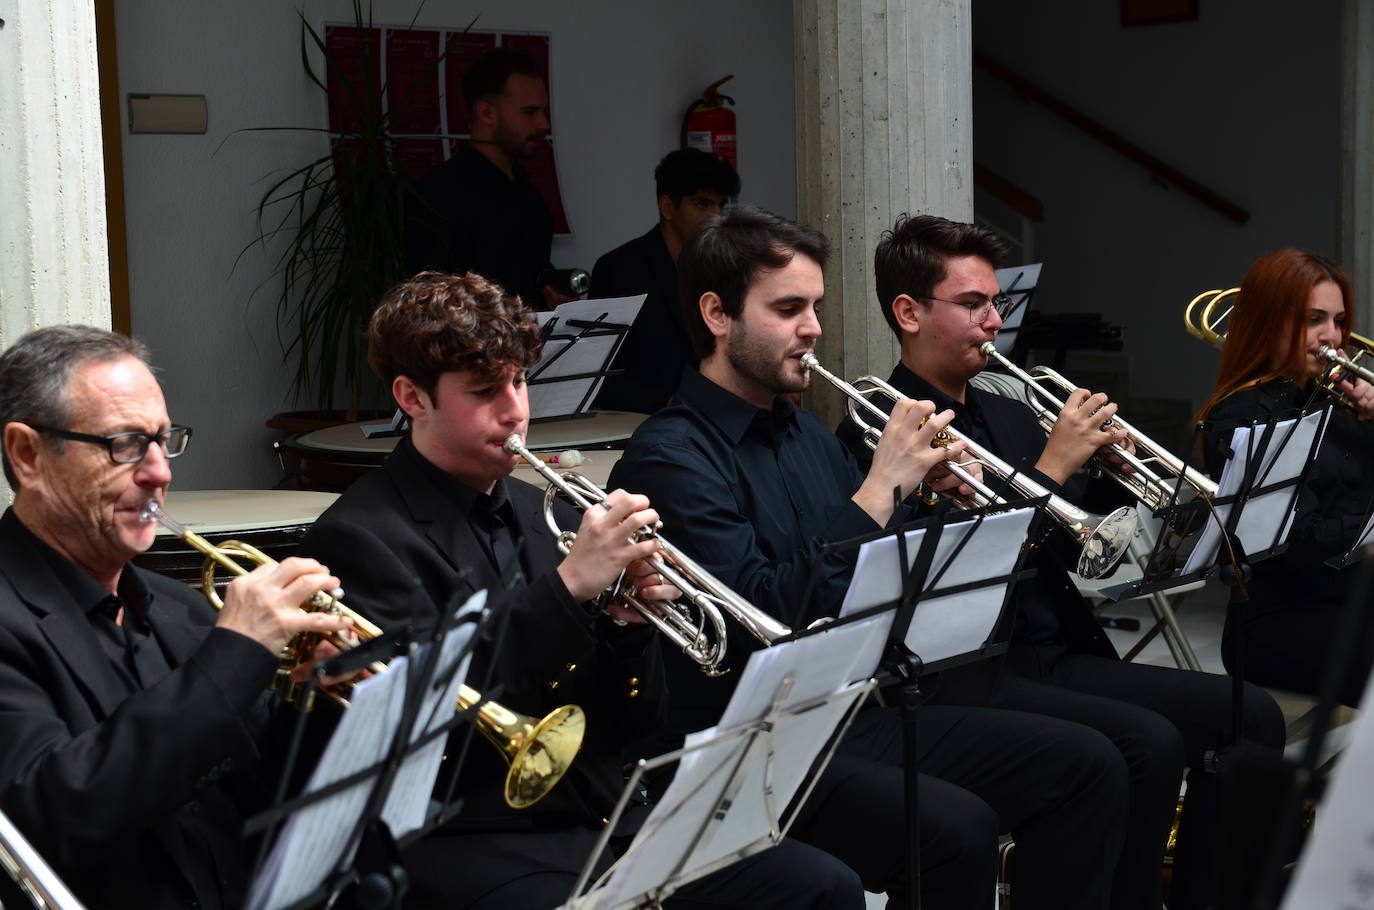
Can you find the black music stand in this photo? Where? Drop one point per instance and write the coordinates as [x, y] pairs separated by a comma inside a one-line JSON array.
[[723, 803], [581, 340], [341, 828], [933, 569], [1257, 471]]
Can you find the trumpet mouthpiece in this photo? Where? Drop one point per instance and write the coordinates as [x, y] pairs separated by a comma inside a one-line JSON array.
[[150, 511], [514, 443], [809, 360]]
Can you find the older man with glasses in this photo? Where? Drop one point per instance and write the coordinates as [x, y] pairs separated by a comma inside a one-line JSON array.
[[132, 717]]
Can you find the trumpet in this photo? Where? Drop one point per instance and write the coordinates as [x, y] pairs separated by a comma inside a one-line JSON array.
[[1146, 484], [1344, 364], [705, 598], [31, 872], [539, 751], [1102, 539]]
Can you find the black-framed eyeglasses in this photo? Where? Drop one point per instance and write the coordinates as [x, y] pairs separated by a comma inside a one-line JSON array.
[[978, 309], [128, 448]]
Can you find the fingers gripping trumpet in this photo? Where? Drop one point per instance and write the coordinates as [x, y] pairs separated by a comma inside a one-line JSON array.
[[695, 623], [539, 750], [1103, 540]]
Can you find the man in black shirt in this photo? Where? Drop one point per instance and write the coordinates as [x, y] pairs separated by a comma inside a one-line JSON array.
[[751, 487], [478, 211], [441, 520], [133, 719], [691, 185], [938, 289]]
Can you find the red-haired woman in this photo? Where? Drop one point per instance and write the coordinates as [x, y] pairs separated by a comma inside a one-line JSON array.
[[1291, 303]]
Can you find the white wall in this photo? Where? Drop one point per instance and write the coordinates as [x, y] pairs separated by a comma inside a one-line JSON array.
[[1246, 100], [623, 72]]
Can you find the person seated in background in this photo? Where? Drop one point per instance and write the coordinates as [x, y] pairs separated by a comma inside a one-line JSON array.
[[751, 488], [443, 519], [691, 185], [478, 211], [1291, 303], [938, 291], [133, 719]]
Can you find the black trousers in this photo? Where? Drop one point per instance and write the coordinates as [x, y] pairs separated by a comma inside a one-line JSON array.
[[1059, 787], [1293, 647], [537, 871], [1162, 720]]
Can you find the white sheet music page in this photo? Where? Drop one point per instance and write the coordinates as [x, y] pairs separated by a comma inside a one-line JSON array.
[[952, 624], [591, 353], [313, 840], [1337, 865], [1264, 515]]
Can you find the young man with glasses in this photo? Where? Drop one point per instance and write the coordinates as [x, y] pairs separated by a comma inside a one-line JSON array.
[[133, 718], [938, 291]]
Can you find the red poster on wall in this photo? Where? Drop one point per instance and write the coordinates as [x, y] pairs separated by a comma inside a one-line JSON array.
[[423, 94]]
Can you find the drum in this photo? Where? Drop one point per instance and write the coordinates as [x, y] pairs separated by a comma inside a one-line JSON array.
[[334, 457], [274, 521]]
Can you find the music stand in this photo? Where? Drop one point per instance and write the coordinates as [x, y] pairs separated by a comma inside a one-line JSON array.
[[740, 784], [581, 338], [1018, 283], [373, 784], [1360, 549], [1249, 518]]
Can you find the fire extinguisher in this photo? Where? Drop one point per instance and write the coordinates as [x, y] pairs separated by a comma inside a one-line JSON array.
[[710, 126]]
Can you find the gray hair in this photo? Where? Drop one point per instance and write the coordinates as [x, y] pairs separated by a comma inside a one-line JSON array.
[[36, 370]]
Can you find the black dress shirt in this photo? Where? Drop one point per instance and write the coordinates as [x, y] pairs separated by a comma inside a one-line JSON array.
[[752, 495], [467, 215], [657, 348]]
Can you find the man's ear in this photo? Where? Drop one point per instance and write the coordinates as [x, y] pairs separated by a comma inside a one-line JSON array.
[[909, 313], [713, 314], [22, 446], [410, 398], [666, 208], [484, 112]]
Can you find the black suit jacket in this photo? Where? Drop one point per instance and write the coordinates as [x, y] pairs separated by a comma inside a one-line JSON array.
[[405, 556], [112, 789]]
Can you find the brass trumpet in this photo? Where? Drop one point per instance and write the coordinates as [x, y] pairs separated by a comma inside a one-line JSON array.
[[1103, 539], [1146, 484], [539, 751], [705, 598]]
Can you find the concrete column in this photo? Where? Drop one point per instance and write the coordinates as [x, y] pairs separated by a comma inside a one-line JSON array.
[[1357, 158], [53, 262], [884, 96]]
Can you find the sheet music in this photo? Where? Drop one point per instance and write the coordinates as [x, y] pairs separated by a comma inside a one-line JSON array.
[[1264, 515], [312, 842], [1337, 865], [700, 784], [589, 354], [1017, 282], [948, 625]]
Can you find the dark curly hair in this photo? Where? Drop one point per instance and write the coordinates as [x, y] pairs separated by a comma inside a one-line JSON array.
[[436, 323]]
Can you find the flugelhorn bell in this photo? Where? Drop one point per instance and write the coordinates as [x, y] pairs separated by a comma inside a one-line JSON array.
[[539, 751]]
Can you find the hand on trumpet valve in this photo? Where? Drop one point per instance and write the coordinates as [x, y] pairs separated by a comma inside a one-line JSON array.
[[608, 540], [942, 481], [1083, 427], [324, 650], [651, 588], [913, 444], [1361, 395], [266, 604], [1121, 440]]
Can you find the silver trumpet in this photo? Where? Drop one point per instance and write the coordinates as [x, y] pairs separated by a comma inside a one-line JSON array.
[[1347, 364], [694, 623], [1154, 488], [31, 872], [1103, 540]]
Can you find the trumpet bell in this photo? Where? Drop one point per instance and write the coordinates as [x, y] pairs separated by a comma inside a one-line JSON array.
[[540, 753], [1105, 544]]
